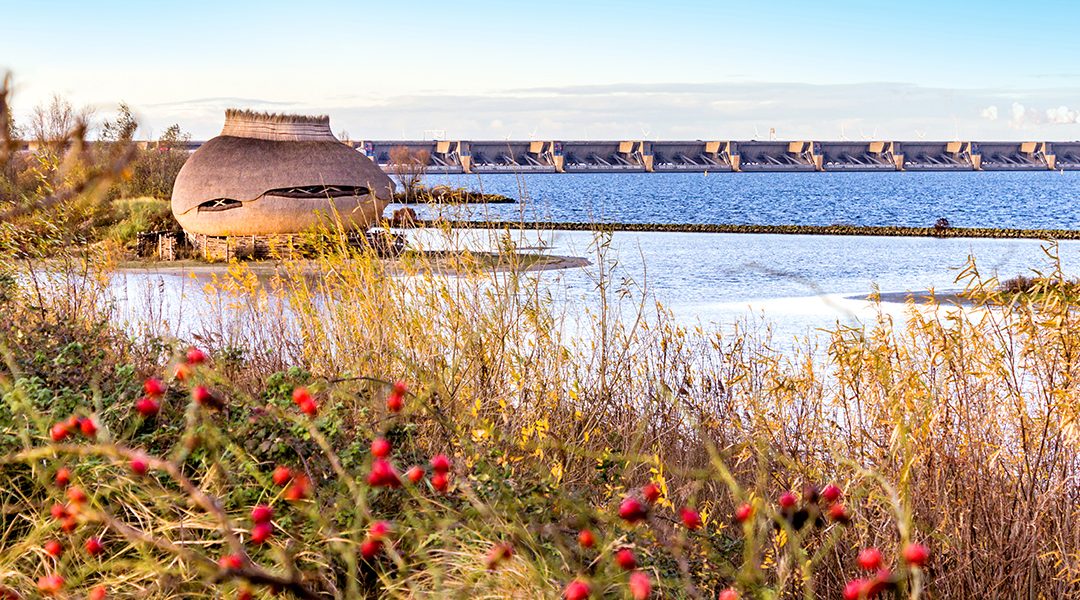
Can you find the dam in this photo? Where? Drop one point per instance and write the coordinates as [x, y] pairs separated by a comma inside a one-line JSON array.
[[646, 156]]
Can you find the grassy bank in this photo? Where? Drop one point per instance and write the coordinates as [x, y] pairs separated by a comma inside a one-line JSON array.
[[958, 435]]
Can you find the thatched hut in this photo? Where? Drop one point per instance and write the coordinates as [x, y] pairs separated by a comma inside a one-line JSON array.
[[269, 174]]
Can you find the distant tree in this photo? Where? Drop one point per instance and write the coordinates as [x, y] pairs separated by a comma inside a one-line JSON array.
[[409, 167], [123, 128], [52, 125]]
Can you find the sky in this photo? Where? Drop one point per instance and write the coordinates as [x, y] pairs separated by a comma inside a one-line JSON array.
[[668, 69]]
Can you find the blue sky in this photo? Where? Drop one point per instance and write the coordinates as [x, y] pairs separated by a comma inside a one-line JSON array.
[[586, 69]]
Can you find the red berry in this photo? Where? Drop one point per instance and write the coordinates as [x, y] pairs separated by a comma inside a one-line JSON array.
[[195, 356], [498, 554], [380, 447], [744, 512], [728, 594], [261, 532], [400, 388], [94, 546], [640, 588], [309, 408], [838, 513], [54, 548], [586, 538], [234, 562], [50, 585], [76, 495], [382, 474], [631, 511], [147, 407], [281, 475], [414, 474], [154, 387], [378, 530], [440, 481], [916, 554], [262, 513], [202, 396], [651, 492], [139, 465], [63, 476], [787, 500], [577, 590], [394, 403], [97, 593], [299, 489], [690, 518], [440, 463], [58, 511], [182, 372], [300, 395], [370, 548], [245, 594], [869, 559], [625, 558], [69, 524], [854, 589], [831, 493], [58, 432], [88, 427]]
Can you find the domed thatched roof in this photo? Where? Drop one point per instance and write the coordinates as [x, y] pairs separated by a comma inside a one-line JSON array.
[[270, 174]]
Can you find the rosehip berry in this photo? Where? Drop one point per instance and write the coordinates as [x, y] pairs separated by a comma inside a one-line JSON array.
[[97, 593], [147, 407], [831, 493], [154, 387], [414, 474], [76, 495], [139, 465], [744, 512], [94, 546], [382, 474], [182, 372], [54, 548], [301, 395], [378, 530], [498, 554], [625, 558], [394, 403], [58, 511], [400, 387], [690, 518], [869, 559], [380, 448], [195, 356], [787, 500], [916, 554], [281, 475], [370, 548], [631, 511], [202, 396], [59, 432], [69, 524], [640, 587], [729, 594], [262, 514], [245, 594], [299, 489], [63, 476], [50, 585], [854, 589], [838, 513], [440, 481], [651, 493], [309, 408], [586, 538], [261, 532], [578, 589], [440, 463], [88, 427], [233, 562]]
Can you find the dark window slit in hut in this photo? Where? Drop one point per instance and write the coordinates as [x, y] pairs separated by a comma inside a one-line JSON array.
[[319, 191], [219, 204]]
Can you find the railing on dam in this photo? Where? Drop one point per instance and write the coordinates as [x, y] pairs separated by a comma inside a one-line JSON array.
[[698, 156]]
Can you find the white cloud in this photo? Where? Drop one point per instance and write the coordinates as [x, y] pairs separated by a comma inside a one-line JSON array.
[[990, 113], [1062, 115]]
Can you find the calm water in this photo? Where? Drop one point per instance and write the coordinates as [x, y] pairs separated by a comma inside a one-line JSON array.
[[1026, 200]]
